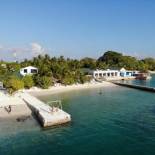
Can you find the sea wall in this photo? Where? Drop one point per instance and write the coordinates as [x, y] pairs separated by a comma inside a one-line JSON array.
[[144, 88]]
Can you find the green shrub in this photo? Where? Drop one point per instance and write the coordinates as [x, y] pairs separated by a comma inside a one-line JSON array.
[[84, 78], [44, 81], [68, 80], [28, 81], [13, 84]]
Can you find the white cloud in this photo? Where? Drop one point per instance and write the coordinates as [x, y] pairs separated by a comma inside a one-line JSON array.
[[14, 54], [20, 53], [37, 48]]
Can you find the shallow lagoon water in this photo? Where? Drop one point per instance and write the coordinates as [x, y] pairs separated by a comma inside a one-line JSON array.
[[120, 121]]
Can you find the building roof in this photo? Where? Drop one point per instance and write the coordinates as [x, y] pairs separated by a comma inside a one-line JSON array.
[[122, 69], [29, 67]]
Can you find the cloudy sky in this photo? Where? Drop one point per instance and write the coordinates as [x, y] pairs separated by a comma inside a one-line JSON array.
[[76, 28]]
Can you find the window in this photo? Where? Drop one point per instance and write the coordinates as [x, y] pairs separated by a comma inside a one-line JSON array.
[[25, 70], [112, 74], [33, 70], [100, 74], [122, 74]]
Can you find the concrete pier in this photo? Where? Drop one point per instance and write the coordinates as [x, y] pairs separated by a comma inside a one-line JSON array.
[[144, 88], [46, 115]]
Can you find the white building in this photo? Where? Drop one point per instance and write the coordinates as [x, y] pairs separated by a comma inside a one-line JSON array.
[[106, 73], [28, 70]]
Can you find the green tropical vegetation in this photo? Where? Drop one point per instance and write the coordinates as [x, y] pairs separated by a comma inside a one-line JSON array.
[[43, 81], [28, 81], [13, 84], [65, 70]]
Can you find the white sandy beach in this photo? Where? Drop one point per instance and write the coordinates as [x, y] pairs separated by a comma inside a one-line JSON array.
[[60, 88]]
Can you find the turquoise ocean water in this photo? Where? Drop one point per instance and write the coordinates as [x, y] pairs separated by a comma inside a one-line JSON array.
[[150, 83], [120, 121]]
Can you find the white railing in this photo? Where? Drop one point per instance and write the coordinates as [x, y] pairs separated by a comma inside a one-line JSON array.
[[56, 103]]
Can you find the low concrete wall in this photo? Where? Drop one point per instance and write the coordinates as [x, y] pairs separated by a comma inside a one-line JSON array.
[[144, 88]]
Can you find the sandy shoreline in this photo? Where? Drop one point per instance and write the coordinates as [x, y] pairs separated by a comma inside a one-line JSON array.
[[60, 89]]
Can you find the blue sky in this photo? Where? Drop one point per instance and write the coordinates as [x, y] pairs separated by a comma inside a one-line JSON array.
[[76, 28]]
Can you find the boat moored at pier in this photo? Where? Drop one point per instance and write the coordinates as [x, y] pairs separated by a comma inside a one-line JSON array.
[[143, 76]]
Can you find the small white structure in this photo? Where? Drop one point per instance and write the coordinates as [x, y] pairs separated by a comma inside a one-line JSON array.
[[106, 73], [3, 65], [28, 70], [127, 73]]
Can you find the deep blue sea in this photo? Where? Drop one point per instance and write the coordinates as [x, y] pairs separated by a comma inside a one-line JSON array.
[[120, 121]]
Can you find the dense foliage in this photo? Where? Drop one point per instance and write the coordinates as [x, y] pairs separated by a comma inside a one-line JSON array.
[[118, 60], [66, 71], [13, 84], [28, 81], [43, 81]]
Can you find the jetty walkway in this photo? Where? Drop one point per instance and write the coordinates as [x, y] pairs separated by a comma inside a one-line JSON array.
[[144, 88], [46, 115]]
